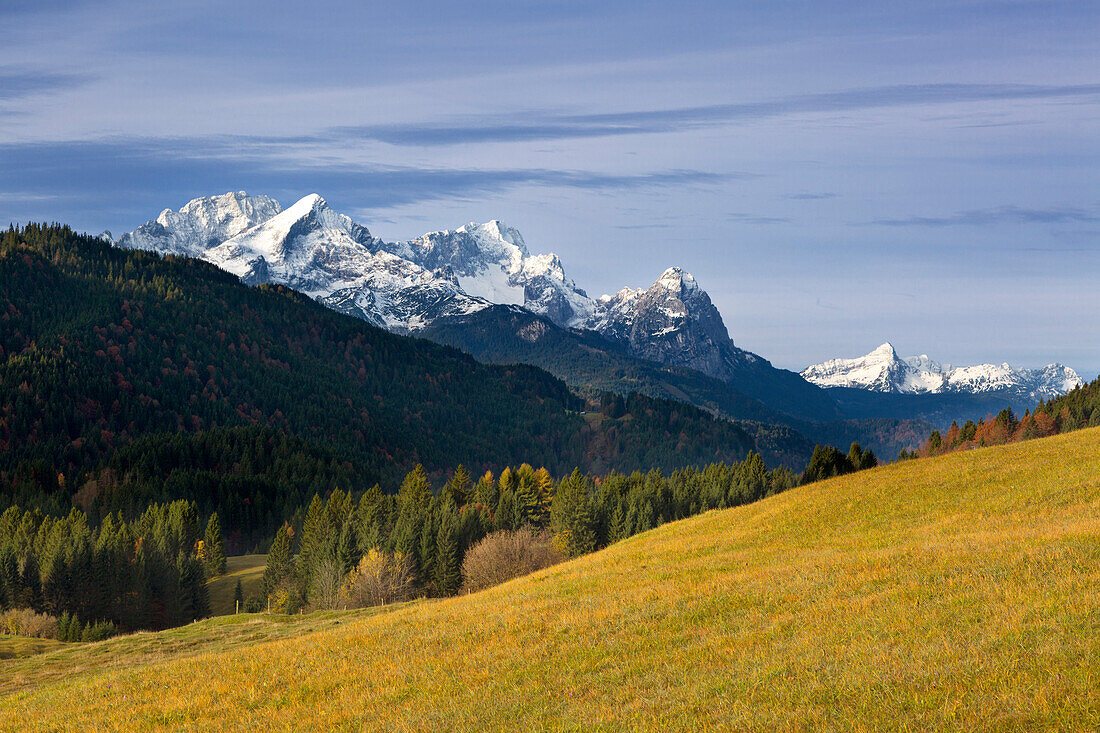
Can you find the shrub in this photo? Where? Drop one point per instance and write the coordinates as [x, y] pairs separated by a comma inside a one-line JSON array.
[[286, 598], [505, 555], [25, 622], [379, 578]]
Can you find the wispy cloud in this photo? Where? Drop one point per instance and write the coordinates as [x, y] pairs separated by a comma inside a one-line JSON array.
[[136, 177], [16, 83], [542, 125], [812, 196], [1000, 215], [756, 219]]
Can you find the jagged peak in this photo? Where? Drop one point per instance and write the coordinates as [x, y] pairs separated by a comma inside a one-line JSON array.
[[495, 231], [887, 350], [306, 204], [238, 199], [678, 280], [882, 370]]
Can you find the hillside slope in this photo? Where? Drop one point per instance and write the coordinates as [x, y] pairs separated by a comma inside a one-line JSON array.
[[103, 349], [957, 593]]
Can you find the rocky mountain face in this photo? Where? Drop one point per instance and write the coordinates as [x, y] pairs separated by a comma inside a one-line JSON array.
[[671, 322], [447, 276], [883, 370], [406, 286]]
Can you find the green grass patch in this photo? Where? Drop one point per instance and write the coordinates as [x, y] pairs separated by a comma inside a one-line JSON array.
[[248, 569], [17, 647]]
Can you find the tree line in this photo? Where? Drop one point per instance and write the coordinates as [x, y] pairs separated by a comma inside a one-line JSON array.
[[1079, 408], [426, 532], [149, 573]]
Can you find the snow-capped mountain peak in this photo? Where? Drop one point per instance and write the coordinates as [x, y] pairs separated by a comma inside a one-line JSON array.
[[201, 223], [492, 261], [886, 351], [303, 246], [405, 286], [676, 280], [883, 371]]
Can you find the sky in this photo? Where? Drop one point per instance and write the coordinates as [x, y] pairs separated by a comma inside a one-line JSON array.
[[835, 175]]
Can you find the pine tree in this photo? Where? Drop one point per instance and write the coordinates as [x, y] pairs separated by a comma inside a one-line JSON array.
[[486, 494], [459, 486], [214, 548], [572, 517], [314, 533], [505, 515], [238, 596], [370, 520], [617, 529], [414, 501], [448, 575], [279, 560], [527, 509], [428, 541]]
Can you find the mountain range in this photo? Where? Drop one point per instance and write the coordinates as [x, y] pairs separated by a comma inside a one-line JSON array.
[[479, 288], [406, 286], [883, 370]]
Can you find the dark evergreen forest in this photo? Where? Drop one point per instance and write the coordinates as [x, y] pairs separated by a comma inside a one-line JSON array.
[[145, 398], [126, 377]]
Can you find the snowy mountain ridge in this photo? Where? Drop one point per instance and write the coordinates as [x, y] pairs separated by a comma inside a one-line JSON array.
[[883, 370], [405, 286]]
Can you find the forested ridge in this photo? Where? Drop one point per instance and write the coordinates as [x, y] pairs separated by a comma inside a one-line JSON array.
[[593, 363], [105, 350], [1074, 410], [102, 574]]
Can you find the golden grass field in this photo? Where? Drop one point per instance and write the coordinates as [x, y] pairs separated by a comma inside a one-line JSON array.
[[17, 647], [249, 569], [956, 593]]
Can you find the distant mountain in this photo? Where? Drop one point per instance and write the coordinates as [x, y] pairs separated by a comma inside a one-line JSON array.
[[593, 363], [406, 287], [311, 248], [666, 340], [201, 224], [883, 370]]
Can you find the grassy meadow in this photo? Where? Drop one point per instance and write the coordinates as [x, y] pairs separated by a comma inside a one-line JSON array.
[[955, 593], [249, 569]]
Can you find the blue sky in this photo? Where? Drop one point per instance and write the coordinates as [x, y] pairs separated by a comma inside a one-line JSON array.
[[835, 176]]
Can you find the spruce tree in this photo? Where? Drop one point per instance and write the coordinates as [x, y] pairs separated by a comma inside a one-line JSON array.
[[238, 596], [314, 534], [413, 514], [448, 574], [572, 517], [370, 520], [279, 560], [617, 529], [459, 486], [214, 547], [527, 509]]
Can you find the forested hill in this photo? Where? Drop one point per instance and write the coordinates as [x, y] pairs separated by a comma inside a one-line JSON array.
[[103, 349]]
